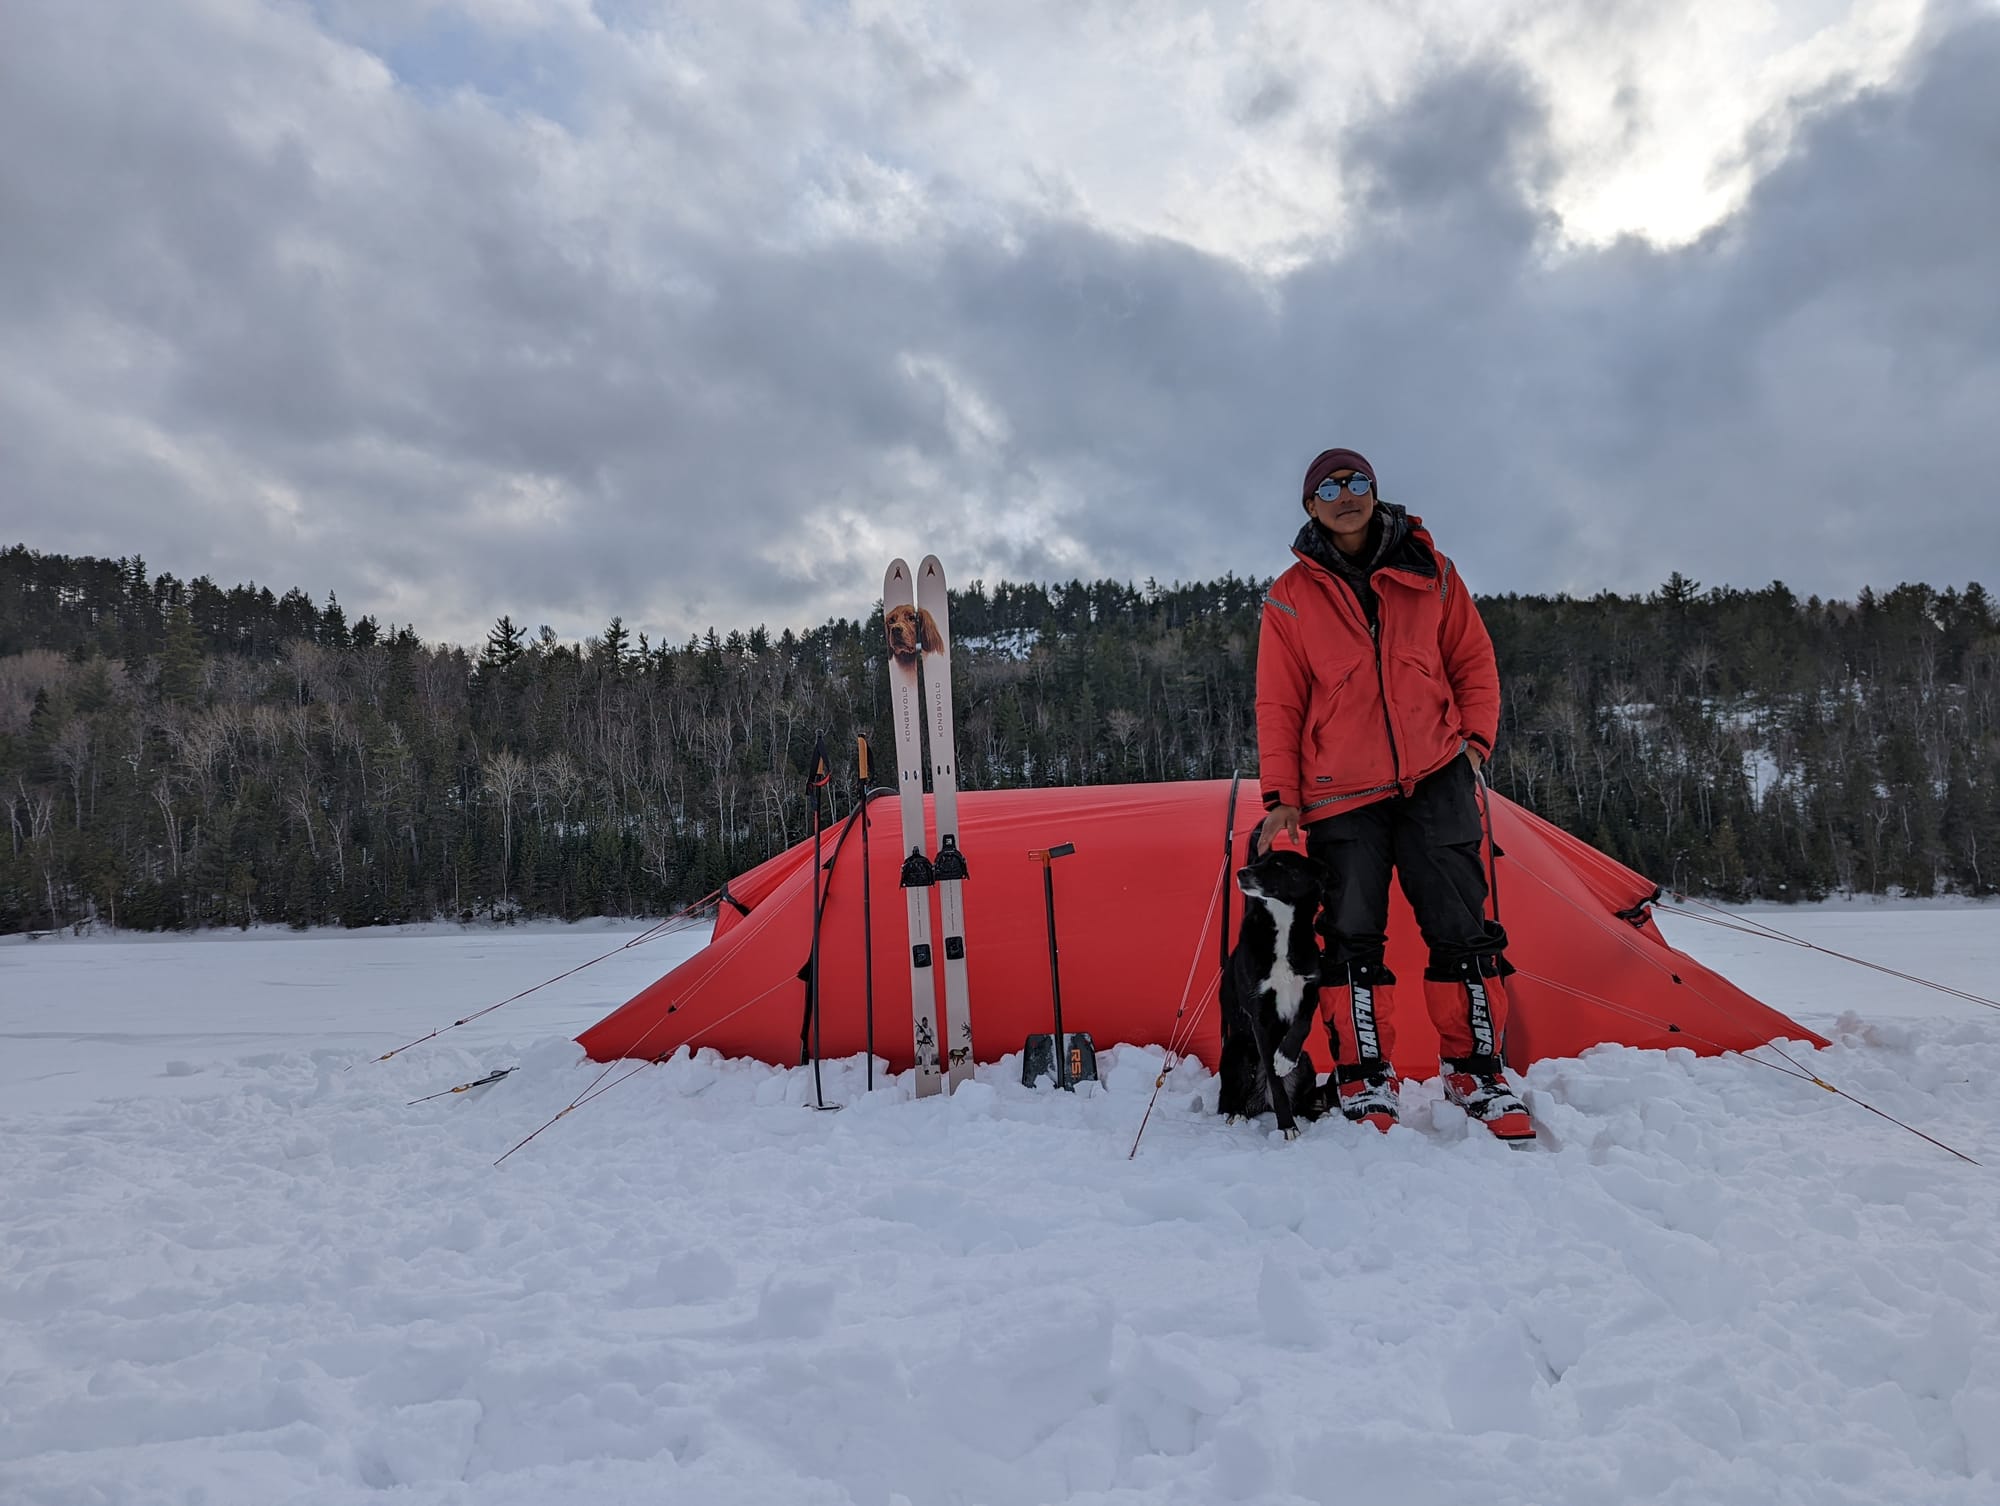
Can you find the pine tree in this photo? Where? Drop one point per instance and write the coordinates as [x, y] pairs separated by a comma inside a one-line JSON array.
[[333, 624], [614, 648], [180, 659], [504, 644]]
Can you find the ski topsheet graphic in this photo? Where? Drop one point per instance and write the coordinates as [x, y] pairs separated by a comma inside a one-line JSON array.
[[910, 638], [949, 868]]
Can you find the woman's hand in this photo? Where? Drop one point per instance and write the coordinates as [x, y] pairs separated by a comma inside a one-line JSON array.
[[1478, 763], [1282, 818]]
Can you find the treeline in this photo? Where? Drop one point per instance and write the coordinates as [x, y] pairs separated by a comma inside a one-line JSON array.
[[175, 753]]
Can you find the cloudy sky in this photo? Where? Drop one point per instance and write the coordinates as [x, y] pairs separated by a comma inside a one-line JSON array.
[[698, 312]]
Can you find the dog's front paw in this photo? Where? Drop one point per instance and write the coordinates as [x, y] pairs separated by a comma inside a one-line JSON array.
[[1233, 1119], [1293, 1133]]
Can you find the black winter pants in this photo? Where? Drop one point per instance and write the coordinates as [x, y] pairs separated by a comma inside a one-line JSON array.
[[1432, 839]]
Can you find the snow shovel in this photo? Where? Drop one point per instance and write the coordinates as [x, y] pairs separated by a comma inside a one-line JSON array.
[[1077, 1060]]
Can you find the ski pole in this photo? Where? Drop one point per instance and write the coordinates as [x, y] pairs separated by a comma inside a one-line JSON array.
[[1228, 860], [867, 917], [818, 782]]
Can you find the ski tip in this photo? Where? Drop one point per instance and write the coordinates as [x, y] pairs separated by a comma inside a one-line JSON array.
[[932, 565]]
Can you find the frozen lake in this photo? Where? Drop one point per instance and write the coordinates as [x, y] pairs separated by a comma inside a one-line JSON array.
[[232, 1271]]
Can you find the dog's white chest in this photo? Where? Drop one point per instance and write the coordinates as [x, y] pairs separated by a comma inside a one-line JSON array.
[[1286, 987]]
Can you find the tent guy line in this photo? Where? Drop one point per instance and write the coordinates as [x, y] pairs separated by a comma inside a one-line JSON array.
[[1797, 1070], [1819, 1082], [1750, 927], [1178, 1039], [592, 1090], [666, 927]]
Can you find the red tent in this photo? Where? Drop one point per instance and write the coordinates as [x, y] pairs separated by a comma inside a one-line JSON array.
[[1139, 915]]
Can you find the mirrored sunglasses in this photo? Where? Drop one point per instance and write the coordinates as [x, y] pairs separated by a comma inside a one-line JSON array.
[[1358, 484]]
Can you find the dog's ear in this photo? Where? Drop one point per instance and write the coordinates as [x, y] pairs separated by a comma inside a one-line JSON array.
[[928, 635]]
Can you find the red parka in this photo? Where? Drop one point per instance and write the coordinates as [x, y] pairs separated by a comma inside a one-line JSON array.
[[1349, 713]]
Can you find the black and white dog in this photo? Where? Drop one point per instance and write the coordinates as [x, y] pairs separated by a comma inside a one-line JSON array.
[[1270, 993]]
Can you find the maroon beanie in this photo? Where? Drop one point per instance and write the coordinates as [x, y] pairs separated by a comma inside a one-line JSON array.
[[1329, 461]]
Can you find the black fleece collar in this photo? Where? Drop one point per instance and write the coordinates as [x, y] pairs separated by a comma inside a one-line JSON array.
[[1396, 547]]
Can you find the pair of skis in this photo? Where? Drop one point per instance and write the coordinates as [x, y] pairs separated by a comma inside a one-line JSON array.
[[917, 619]]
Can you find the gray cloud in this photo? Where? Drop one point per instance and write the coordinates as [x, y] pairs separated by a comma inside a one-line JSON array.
[[1271, 97], [709, 349]]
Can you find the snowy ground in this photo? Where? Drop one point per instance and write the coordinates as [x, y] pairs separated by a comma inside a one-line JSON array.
[[233, 1272]]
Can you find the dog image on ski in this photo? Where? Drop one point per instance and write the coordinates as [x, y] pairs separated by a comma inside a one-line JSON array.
[[1270, 994], [912, 633]]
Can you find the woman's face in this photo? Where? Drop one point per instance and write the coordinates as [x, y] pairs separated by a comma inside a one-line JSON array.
[[1346, 513]]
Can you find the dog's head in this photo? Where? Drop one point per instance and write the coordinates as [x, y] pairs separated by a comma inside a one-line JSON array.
[[912, 633], [1290, 878]]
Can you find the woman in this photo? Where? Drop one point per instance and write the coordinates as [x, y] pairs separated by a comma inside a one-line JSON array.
[[1377, 701]]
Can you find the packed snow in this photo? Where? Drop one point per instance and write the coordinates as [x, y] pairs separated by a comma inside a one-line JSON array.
[[233, 1270]]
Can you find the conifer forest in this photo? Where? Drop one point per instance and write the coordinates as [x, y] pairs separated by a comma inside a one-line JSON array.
[[177, 753]]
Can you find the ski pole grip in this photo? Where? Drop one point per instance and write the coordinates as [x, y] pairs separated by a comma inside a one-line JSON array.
[[861, 752]]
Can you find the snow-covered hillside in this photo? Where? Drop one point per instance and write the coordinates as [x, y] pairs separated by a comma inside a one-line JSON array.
[[232, 1271]]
